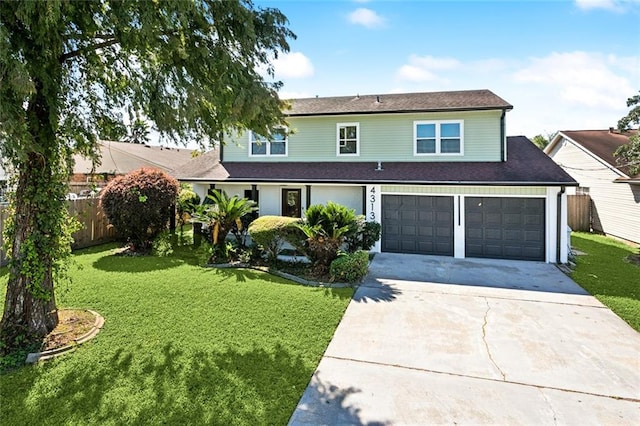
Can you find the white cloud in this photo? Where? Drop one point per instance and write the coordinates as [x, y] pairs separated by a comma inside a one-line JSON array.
[[293, 65], [619, 6], [579, 78], [421, 68], [414, 73], [559, 91], [365, 17]]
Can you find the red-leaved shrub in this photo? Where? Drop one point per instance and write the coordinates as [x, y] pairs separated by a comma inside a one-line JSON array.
[[138, 205]]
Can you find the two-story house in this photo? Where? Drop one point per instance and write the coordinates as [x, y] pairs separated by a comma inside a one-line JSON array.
[[435, 169]]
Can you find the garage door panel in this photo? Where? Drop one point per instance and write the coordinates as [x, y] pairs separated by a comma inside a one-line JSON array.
[[512, 235], [426, 216], [505, 227], [419, 224], [408, 230], [533, 236]]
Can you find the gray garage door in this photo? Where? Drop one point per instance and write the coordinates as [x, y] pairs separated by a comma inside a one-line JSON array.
[[417, 224], [504, 228]]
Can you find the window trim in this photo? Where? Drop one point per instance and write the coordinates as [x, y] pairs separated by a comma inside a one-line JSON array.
[[438, 138], [268, 145], [357, 126]]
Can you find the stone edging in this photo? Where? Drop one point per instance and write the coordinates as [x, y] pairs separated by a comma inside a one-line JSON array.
[[280, 274], [43, 356]]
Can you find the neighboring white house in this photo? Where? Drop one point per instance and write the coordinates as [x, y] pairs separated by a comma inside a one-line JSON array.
[[587, 155], [435, 169]]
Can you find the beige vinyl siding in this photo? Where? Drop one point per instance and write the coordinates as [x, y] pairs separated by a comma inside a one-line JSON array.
[[617, 204], [383, 137], [464, 190]]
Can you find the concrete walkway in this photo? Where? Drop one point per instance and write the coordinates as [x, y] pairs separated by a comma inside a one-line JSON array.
[[435, 340]]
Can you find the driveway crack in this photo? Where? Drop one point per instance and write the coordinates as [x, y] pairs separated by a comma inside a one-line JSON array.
[[555, 419], [484, 339]]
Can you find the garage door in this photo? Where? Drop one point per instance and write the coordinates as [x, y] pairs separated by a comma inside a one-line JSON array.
[[417, 224], [504, 228]]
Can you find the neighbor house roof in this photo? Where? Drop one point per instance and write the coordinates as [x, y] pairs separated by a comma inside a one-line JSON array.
[[601, 143], [122, 158], [466, 100], [526, 165]]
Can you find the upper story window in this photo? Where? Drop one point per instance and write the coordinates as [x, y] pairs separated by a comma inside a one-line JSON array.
[[438, 137], [275, 145], [348, 139]]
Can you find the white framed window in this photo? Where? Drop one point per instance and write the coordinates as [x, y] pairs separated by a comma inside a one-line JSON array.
[[276, 145], [348, 139], [438, 137]]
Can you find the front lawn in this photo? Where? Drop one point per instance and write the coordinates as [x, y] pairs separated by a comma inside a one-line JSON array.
[[605, 273], [181, 344]]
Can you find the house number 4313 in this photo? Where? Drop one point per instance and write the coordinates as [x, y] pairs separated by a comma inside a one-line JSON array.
[[372, 200]]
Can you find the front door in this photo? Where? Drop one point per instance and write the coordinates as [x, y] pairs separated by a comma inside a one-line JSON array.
[[291, 202]]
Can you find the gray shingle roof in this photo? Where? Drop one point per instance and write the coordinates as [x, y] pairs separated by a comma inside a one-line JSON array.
[[526, 165], [122, 158], [465, 100], [602, 143]]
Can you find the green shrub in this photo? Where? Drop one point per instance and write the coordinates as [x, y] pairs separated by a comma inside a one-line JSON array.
[[326, 229], [162, 246], [370, 235], [350, 267], [271, 232], [138, 205], [365, 236], [187, 203], [221, 216]]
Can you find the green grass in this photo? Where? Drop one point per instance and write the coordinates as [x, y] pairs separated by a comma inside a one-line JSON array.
[[181, 344], [606, 274]]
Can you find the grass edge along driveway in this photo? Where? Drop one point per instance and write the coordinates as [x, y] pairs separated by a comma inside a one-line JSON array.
[[181, 344], [606, 274]]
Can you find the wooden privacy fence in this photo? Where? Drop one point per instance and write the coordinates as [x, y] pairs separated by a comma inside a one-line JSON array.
[[579, 212], [95, 229]]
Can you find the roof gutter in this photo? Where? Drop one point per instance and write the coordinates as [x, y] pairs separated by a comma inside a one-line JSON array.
[[559, 223], [383, 182], [397, 111]]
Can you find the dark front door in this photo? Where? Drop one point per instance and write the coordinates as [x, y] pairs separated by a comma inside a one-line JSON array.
[[505, 227], [417, 224], [291, 202]]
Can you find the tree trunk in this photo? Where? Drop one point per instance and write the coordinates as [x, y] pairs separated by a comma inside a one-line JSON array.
[[29, 309], [37, 224]]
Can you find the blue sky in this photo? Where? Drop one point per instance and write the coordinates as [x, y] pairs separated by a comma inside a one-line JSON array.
[[562, 64]]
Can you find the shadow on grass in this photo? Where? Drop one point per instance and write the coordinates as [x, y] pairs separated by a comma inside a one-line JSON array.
[[247, 274], [136, 264], [170, 386]]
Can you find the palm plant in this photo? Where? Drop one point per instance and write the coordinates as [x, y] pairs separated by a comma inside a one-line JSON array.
[[222, 214], [326, 228]]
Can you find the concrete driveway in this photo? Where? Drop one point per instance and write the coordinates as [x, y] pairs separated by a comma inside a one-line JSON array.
[[435, 340]]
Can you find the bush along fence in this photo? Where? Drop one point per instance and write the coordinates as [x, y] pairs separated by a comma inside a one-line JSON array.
[[95, 230]]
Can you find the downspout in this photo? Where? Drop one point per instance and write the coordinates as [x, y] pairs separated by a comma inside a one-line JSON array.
[[559, 223], [220, 146], [502, 135]]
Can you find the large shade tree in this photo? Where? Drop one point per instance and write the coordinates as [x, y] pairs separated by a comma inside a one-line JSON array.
[[190, 67], [629, 154]]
